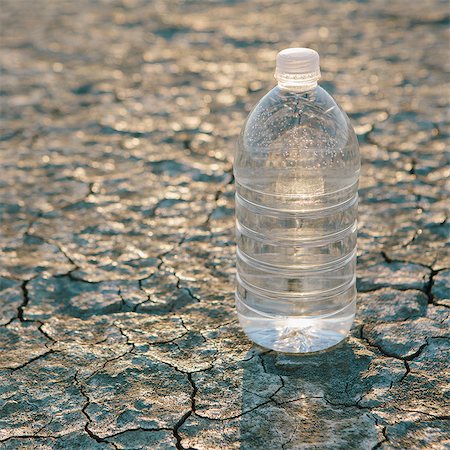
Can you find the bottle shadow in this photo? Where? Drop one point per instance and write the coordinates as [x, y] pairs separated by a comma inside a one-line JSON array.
[[307, 401]]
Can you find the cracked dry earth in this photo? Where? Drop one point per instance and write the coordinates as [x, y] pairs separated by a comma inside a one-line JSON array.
[[117, 256]]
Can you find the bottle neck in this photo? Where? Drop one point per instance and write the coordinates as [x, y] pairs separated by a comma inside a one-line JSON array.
[[297, 82]]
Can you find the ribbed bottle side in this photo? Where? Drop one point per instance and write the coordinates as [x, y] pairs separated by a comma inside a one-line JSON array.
[[298, 258]]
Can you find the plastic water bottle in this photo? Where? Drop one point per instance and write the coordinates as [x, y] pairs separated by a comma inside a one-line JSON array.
[[296, 168]]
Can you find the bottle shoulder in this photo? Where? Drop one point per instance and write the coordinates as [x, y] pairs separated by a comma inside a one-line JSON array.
[[315, 113], [298, 121], [317, 98], [299, 139]]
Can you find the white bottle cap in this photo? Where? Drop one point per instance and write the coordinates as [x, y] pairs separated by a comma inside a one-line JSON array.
[[298, 64]]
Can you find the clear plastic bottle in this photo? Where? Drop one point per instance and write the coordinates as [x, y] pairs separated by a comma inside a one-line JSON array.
[[296, 169]]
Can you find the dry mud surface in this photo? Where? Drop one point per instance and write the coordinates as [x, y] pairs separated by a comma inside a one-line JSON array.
[[116, 251]]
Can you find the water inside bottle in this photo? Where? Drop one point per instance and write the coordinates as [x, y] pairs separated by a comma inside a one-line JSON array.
[[290, 334]]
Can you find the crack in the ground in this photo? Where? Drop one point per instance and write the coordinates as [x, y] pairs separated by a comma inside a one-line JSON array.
[[429, 286], [89, 192], [32, 222], [283, 446], [185, 288], [32, 436], [45, 425], [436, 303], [128, 430], [282, 384], [20, 317], [42, 355], [435, 417], [161, 257], [115, 358], [193, 410], [405, 359], [184, 372], [70, 274], [44, 332], [122, 300], [169, 341], [261, 359], [348, 405], [126, 307], [293, 400], [66, 255], [412, 171], [268, 400], [183, 325], [158, 268], [427, 289], [185, 416], [363, 290], [141, 288], [401, 261], [236, 416], [217, 196], [385, 437], [23, 305], [221, 325], [407, 371], [26, 300], [90, 433]]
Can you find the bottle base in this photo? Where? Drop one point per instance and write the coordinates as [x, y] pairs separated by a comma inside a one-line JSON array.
[[296, 334]]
